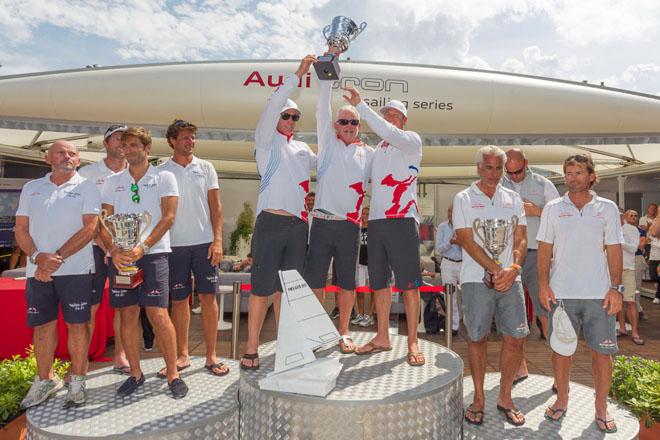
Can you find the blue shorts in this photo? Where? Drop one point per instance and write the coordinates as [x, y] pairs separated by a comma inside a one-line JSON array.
[[153, 292], [185, 260], [73, 292], [100, 276]]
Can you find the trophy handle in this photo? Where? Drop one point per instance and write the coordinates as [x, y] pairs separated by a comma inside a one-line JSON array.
[[102, 216], [325, 31], [146, 217], [476, 227], [360, 29]]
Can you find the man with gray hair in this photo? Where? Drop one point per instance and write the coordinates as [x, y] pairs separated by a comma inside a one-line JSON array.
[[535, 191], [56, 221], [343, 168], [504, 298]]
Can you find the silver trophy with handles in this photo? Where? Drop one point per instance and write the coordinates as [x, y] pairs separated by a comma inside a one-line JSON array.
[[339, 35], [495, 234], [125, 230]]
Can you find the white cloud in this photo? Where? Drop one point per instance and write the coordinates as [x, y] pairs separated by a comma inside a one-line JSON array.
[[534, 62], [638, 77]]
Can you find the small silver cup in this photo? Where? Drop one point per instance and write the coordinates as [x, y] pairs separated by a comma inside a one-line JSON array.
[[338, 35]]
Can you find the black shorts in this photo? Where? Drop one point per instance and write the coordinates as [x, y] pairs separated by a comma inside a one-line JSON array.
[[338, 239], [185, 260], [394, 246], [73, 292], [153, 292], [100, 276], [278, 243]]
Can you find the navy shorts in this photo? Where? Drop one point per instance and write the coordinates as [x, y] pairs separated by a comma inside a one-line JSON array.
[[185, 260], [100, 276], [43, 299], [338, 239], [153, 292], [279, 242], [393, 246]]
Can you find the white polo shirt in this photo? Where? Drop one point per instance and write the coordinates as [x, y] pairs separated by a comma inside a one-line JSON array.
[[98, 173], [630, 245], [192, 224], [472, 203], [579, 262], [284, 164], [153, 186], [343, 170], [394, 169], [55, 214]]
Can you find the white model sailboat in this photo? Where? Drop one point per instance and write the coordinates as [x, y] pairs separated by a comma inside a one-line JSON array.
[[304, 326]]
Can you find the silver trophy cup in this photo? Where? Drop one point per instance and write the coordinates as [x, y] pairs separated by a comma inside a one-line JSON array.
[[339, 35], [125, 230], [495, 235]]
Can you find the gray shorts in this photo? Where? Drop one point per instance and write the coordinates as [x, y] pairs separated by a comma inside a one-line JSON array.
[[100, 275], [279, 242], [530, 281], [153, 292], [73, 292], [480, 304], [598, 327], [185, 260], [393, 246], [328, 239]]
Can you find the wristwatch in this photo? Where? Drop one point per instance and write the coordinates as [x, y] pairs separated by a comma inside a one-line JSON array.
[[33, 257], [618, 287]]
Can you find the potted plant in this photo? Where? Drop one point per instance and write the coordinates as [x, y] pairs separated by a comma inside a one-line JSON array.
[[244, 227], [16, 375], [636, 384]]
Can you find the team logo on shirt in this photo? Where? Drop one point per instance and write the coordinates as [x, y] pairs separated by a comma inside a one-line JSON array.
[[478, 205], [120, 188], [149, 185], [72, 194], [565, 214], [599, 215], [34, 194]]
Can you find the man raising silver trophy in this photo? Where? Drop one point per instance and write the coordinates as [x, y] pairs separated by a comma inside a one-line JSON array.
[[490, 219], [339, 35]]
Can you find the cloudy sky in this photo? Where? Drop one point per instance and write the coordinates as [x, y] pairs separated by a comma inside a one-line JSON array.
[[595, 40]]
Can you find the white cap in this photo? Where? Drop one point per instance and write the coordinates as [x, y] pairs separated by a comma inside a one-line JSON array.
[[114, 129], [396, 105], [290, 105], [563, 339]]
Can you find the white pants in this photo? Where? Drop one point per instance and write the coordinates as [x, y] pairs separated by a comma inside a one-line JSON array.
[[451, 273]]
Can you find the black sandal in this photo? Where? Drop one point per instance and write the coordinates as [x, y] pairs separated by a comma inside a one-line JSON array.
[[478, 416], [217, 367], [509, 413], [250, 357]]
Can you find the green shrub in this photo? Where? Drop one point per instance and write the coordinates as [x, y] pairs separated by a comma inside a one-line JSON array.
[[244, 227], [16, 376], [636, 384]]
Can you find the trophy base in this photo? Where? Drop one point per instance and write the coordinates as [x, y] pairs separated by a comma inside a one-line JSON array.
[[488, 279], [327, 67], [128, 280]]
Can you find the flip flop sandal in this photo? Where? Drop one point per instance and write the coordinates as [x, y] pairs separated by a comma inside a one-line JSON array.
[[373, 349], [344, 345], [414, 358], [124, 369], [509, 413], [620, 334], [554, 389], [250, 357], [478, 417], [551, 417], [520, 379], [217, 366], [638, 341], [162, 374], [606, 430]]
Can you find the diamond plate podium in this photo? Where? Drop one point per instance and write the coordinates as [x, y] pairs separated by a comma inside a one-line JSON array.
[[377, 396], [209, 411], [532, 396]]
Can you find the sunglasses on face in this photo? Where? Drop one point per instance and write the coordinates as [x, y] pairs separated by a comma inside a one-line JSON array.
[[515, 173], [353, 122], [287, 116], [135, 196]]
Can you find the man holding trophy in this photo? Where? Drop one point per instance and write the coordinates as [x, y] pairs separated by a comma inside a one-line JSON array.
[[139, 273], [490, 225]]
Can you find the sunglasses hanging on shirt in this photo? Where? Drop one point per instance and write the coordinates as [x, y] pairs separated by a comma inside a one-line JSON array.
[[135, 196]]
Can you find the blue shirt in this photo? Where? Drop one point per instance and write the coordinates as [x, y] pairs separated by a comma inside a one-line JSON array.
[[642, 233], [442, 242]]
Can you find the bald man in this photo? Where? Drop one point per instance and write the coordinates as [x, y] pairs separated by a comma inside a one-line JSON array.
[[535, 191], [56, 221]]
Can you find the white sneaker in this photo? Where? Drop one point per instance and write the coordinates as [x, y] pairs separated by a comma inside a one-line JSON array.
[[368, 321], [197, 310], [357, 319], [656, 300], [76, 395], [41, 390]]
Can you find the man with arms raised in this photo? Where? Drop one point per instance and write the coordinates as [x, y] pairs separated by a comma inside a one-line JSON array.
[[393, 239], [342, 174], [535, 191], [143, 187], [56, 220], [196, 239], [574, 231], [98, 173], [280, 234], [488, 199]]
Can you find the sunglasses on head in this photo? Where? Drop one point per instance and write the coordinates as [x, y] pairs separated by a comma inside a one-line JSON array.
[[135, 196], [287, 116], [515, 173], [353, 122]]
